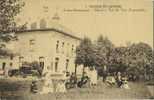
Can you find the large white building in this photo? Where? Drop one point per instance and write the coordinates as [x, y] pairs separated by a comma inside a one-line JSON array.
[[54, 49], [45, 40]]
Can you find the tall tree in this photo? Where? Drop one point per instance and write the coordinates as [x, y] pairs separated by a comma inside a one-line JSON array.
[[135, 59], [118, 58], [84, 53], [8, 10], [103, 48], [140, 57]]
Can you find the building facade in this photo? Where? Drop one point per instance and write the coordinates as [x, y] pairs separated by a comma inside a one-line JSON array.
[[52, 48]]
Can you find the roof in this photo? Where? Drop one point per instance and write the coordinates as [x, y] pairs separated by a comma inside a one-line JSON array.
[[48, 29]]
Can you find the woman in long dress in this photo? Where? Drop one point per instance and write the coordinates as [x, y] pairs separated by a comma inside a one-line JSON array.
[[93, 77], [48, 84], [61, 83]]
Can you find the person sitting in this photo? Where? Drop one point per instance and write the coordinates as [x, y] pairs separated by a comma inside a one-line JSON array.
[[110, 80], [83, 81], [34, 88], [124, 83], [71, 82], [73, 79], [118, 79]]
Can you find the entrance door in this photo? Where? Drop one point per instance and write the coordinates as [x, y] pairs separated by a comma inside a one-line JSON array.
[[67, 63], [41, 65]]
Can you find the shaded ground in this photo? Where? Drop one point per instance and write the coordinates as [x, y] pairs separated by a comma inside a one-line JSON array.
[[19, 90]]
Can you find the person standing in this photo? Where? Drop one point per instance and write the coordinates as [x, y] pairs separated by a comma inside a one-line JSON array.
[[119, 81], [48, 84], [104, 73], [93, 77], [61, 83]]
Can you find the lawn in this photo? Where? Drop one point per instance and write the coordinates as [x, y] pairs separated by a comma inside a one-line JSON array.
[[19, 90]]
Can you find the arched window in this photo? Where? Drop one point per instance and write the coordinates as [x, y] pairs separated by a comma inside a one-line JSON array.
[[56, 64], [41, 64], [57, 47], [21, 60], [67, 64], [63, 43]]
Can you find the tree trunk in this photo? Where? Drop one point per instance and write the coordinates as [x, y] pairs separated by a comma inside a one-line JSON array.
[[83, 71], [75, 69]]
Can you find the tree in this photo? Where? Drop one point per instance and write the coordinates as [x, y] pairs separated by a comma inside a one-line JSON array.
[[140, 57], [118, 59], [103, 48], [84, 53], [134, 59], [8, 10]]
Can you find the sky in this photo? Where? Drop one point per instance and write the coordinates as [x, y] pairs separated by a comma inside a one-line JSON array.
[[132, 23]]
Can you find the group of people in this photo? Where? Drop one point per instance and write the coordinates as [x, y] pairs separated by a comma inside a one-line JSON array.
[[71, 81], [67, 81], [87, 77], [118, 79], [49, 85]]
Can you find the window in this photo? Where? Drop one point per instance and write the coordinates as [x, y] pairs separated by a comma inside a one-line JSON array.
[[72, 52], [56, 64], [31, 41], [63, 47], [3, 65], [57, 47], [41, 64], [21, 59], [31, 44], [67, 63], [11, 57], [11, 64], [41, 58]]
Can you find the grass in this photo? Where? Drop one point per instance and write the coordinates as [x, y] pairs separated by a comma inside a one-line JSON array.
[[19, 90]]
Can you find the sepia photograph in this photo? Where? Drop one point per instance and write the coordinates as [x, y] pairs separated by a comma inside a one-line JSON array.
[[76, 49]]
